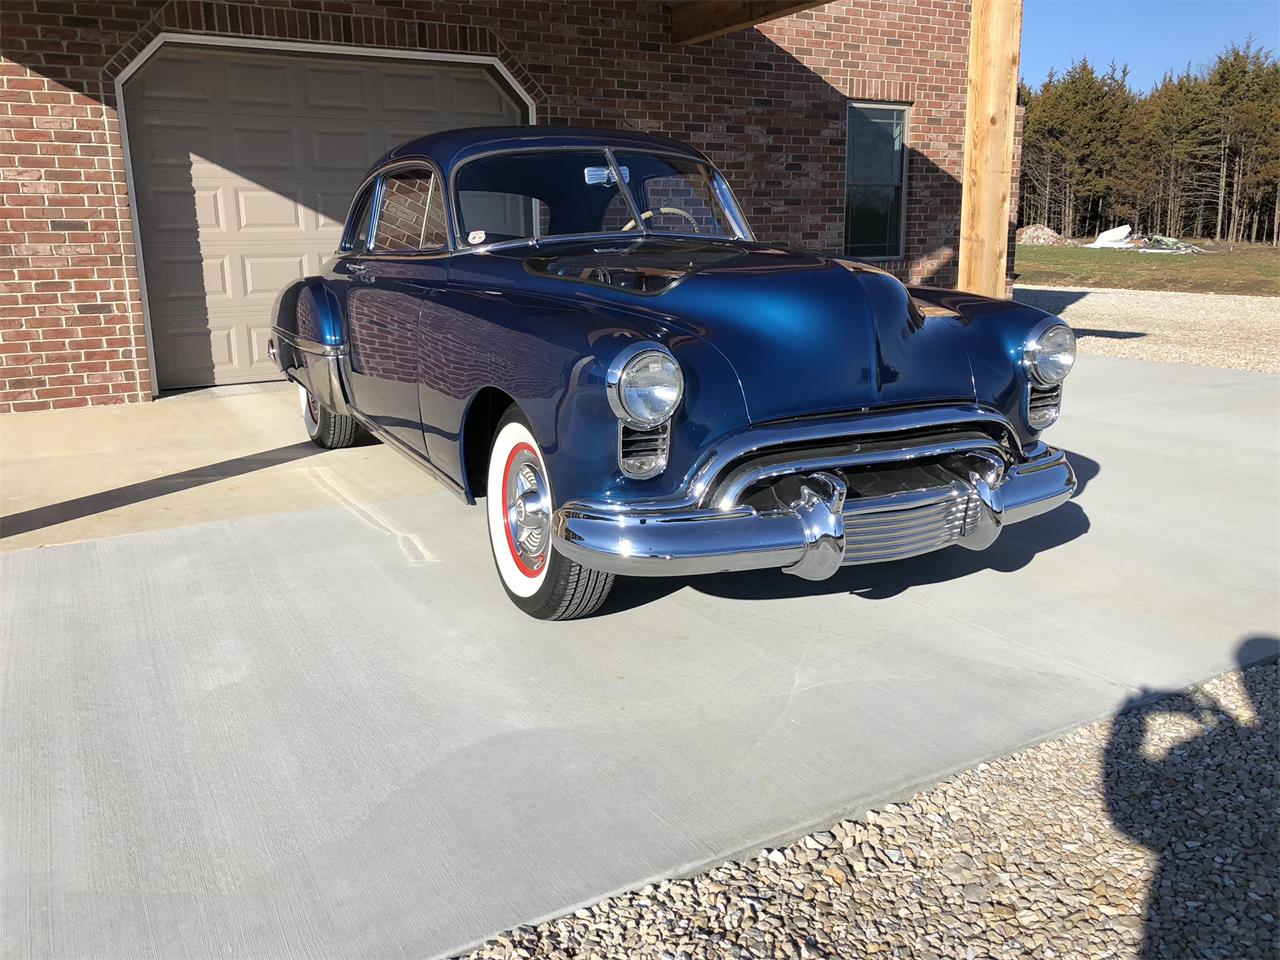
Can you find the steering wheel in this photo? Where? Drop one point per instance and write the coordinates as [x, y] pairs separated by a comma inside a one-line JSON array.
[[675, 211]]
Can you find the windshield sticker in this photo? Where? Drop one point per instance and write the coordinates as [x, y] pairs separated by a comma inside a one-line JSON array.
[[475, 236]]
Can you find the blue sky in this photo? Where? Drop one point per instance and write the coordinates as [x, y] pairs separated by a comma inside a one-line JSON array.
[[1152, 36]]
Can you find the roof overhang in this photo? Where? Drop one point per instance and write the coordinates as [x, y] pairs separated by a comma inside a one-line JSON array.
[[693, 21]]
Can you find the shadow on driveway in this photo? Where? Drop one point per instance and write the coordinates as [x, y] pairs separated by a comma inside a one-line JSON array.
[[1051, 301], [1108, 334], [1056, 301], [93, 503]]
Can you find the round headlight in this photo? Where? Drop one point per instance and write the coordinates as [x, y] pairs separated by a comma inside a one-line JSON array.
[[1052, 353], [646, 386]]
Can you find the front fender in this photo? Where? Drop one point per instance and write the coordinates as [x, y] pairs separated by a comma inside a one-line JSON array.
[[586, 453], [993, 334], [551, 356]]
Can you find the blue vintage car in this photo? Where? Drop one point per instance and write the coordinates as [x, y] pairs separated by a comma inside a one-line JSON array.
[[578, 327]]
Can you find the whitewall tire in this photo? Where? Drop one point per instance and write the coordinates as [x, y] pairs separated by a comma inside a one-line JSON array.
[[519, 504]]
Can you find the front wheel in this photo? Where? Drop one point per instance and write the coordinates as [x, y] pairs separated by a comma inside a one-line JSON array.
[[326, 428], [519, 505]]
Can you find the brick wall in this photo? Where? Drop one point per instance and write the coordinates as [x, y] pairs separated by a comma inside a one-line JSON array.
[[768, 105]]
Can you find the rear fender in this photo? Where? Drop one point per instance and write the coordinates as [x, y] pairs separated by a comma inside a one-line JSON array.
[[308, 342]]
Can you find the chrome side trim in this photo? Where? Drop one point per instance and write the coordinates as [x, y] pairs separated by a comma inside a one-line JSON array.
[[314, 347]]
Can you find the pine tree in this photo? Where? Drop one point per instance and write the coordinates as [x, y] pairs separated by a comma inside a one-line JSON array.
[[1197, 155]]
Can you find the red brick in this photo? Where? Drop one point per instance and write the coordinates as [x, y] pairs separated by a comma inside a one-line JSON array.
[[767, 104]]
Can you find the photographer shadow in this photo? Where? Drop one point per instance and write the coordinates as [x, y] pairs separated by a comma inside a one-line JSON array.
[[1206, 810]]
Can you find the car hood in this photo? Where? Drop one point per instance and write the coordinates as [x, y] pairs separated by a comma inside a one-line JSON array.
[[805, 333]]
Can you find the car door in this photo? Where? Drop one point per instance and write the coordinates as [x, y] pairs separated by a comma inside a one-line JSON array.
[[403, 266]]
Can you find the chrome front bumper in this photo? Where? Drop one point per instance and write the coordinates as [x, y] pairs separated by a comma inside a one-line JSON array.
[[819, 530]]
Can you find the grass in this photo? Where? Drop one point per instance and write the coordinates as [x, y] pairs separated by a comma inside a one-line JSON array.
[[1251, 269]]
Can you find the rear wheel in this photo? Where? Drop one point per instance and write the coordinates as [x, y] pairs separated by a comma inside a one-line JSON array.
[[326, 428], [519, 505]]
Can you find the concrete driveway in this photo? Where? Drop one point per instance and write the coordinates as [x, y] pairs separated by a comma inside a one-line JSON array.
[[291, 713]]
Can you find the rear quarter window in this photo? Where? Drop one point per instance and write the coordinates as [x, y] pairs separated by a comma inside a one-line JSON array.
[[411, 214]]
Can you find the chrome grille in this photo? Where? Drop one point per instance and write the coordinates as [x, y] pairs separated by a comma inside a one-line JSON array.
[[643, 453], [1042, 399], [894, 527]]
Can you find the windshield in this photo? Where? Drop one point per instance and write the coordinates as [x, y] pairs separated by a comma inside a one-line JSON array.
[[532, 194]]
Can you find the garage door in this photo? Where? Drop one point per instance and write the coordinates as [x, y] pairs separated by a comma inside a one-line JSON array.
[[243, 166]]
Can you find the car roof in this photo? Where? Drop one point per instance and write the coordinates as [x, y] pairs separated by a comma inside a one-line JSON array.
[[449, 148]]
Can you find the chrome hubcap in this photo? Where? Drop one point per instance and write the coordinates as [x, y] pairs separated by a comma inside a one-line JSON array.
[[528, 511], [313, 408]]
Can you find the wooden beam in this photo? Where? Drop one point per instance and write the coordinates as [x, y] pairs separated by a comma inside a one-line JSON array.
[[697, 20], [994, 37]]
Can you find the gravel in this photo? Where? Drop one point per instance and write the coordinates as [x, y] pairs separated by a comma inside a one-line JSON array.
[[1152, 835], [1216, 330]]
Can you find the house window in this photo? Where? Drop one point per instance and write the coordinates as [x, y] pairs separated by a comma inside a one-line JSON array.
[[875, 180]]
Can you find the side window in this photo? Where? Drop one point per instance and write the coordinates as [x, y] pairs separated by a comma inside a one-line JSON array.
[[411, 214], [875, 180], [358, 238], [499, 216]]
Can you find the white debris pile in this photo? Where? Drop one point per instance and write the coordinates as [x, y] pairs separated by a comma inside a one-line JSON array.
[[1123, 238], [1115, 237], [1038, 235]]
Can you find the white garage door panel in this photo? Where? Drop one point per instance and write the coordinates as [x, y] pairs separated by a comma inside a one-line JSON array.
[[244, 164]]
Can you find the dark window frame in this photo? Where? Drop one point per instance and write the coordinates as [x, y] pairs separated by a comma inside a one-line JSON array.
[[902, 185], [364, 203]]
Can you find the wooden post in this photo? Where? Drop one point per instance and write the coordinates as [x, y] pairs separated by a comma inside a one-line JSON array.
[[994, 37]]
